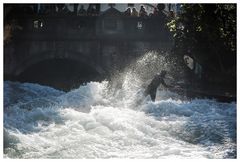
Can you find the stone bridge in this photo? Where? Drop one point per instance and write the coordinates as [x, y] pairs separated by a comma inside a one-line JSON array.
[[63, 48]]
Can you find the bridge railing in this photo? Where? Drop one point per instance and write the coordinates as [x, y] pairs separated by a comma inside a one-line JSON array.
[[92, 27]]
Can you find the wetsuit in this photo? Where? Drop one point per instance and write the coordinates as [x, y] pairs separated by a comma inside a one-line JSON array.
[[152, 87]]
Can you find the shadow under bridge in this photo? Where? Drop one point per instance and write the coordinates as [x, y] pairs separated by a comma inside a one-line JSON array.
[[61, 72]]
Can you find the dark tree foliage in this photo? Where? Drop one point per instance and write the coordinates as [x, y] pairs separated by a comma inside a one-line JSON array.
[[207, 32]]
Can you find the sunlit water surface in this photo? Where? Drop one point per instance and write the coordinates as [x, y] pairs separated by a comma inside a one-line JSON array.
[[95, 122]]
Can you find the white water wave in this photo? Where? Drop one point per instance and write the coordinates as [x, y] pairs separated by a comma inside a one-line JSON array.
[[91, 122]]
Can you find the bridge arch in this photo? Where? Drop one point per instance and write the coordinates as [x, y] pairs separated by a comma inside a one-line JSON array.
[[63, 69], [46, 55]]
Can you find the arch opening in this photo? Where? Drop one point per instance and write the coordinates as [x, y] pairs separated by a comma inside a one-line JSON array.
[[64, 74]]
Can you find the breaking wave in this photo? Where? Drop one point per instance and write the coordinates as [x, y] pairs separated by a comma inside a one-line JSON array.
[[95, 122]]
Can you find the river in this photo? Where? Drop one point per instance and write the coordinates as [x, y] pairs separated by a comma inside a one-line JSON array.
[[105, 120], [91, 122]]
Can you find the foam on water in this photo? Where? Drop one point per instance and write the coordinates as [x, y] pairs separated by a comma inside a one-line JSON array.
[[91, 122]]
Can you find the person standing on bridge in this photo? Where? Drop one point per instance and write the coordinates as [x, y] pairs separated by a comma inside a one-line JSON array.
[[128, 12], [142, 12], [82, 11], [134, 12]]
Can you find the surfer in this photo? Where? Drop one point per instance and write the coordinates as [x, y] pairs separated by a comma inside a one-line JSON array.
[[156, 81]]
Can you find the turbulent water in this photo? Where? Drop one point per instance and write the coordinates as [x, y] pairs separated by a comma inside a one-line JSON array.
[[102, 120], [91, 122]]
